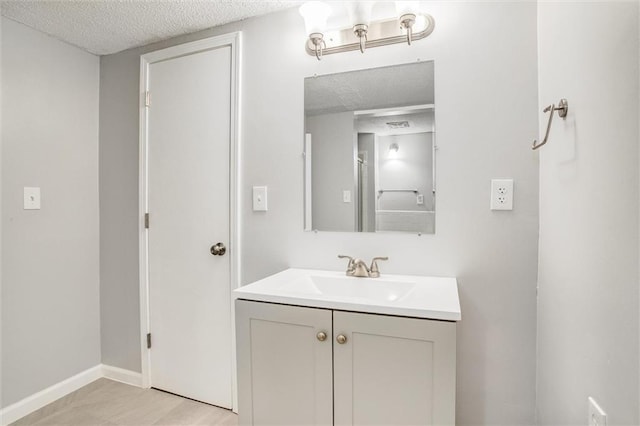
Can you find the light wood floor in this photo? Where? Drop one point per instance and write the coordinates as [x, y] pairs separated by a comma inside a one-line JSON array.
[[109, 403]]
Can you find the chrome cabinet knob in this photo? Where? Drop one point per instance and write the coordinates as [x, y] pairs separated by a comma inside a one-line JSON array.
[[342, 339], [322, 336], [218, 249]]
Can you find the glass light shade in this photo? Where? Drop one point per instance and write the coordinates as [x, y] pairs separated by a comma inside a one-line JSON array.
[[405, 7], [315, 14], [360, 12]]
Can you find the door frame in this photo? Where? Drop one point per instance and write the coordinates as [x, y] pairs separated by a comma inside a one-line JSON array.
[[233, 40]]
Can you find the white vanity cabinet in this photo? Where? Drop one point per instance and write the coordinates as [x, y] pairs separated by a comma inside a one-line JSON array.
[[369, 369]]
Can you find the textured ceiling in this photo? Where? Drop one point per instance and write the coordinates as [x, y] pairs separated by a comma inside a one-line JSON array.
[[375, 88], [109, 26]]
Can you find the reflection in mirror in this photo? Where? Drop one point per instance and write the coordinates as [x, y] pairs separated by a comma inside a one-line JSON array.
[[369, 150]]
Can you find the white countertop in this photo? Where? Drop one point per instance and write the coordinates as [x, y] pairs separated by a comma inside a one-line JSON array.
[[402, 295]]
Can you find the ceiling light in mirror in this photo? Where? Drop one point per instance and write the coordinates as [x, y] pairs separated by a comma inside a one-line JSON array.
[[393, 150]]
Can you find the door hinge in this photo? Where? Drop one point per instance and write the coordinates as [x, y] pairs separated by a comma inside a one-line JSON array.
[[146, 220], [147, 99], [148, 340]]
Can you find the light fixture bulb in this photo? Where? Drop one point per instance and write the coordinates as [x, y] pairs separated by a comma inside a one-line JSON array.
[[407, 7], [360, 12], [315, 14], [360, 17], [393, 150]]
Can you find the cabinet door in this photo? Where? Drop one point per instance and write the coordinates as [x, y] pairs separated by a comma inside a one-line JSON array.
[[393, 371], [284, 370]]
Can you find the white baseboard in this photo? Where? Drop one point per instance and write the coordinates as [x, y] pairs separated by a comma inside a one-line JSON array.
[[121, 375], [46, 396], [38, 400]]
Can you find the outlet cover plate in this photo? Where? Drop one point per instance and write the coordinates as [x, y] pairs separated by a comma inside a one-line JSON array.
[[502, 194], [31, 198], [259, 198]]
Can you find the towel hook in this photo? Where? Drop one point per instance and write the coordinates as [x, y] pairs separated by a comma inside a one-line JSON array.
[[562, 108]]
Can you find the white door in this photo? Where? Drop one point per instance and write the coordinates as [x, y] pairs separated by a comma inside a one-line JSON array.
[[188, 132]]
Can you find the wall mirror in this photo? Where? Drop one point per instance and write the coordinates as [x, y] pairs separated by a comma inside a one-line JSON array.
[[369, 150]]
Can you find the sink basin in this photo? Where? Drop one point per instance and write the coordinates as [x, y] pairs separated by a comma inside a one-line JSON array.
[[405, 295], [374, 290]]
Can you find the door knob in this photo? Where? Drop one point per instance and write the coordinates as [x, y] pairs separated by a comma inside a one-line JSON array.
[[342, 339], [321, 336], [218, 249]]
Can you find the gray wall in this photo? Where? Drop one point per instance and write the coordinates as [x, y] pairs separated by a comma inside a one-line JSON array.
[[50, 264], [332, 171], [119, 299], [485, 56], [588, 276]]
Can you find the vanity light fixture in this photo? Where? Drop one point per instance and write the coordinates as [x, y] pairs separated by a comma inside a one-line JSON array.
[[315, 14], [406, 26]]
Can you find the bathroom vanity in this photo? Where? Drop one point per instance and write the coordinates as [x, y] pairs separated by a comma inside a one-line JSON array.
[[319, 348]]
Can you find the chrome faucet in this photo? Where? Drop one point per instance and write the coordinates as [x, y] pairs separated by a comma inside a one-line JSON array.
[[357, 267]]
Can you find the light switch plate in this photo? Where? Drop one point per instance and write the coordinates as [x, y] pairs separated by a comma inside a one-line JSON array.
[[346, 196], [259, 198], [597, 416], [31, 198]]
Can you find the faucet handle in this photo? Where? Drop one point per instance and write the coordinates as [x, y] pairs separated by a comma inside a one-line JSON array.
[[350, 265], [374, 272]]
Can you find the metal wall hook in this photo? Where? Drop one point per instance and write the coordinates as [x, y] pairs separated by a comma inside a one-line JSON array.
[[562, 108]]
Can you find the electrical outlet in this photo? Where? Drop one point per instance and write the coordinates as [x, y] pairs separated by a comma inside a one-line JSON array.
[[420, 199], [597, 416], [502, 194]]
